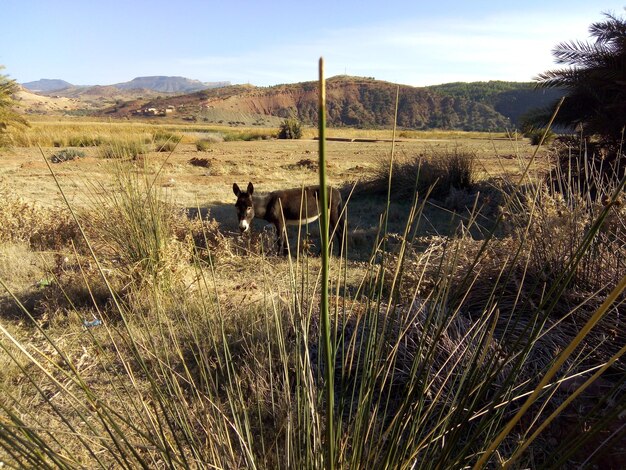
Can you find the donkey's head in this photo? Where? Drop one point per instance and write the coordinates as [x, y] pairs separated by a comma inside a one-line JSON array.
[[244, 205]]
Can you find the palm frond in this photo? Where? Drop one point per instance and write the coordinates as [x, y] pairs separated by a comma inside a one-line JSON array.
[[609, 30], [595, 79], [559, 78], [578, 53]]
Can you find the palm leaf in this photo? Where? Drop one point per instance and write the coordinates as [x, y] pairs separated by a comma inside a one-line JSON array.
[[595, 79]]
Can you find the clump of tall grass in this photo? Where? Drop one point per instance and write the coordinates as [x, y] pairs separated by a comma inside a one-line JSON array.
[[84, 141], [122, 149], [137, 225], [556, 214], [205, 143], [233, 136], [167, 147], [439, 172], [535, 136], [165, 141], [134, 226]]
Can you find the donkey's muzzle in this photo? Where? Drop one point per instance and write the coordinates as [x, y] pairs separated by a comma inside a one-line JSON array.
[[244, 226]]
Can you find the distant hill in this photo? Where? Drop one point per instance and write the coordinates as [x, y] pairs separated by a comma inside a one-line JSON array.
[[165, 84], [511, 99], [104, 91], [352, 101], [47, 85], [145, 85], [35, 103]]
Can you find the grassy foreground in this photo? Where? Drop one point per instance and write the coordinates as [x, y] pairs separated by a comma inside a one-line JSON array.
[[152, 339]]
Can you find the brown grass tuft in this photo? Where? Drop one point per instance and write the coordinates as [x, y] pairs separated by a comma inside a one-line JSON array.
[[42, 229]]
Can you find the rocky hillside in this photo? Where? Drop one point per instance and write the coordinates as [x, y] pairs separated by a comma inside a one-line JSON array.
[[352, 101]]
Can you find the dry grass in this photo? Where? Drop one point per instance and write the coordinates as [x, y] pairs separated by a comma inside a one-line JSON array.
[[42, 229], [209, 348], [435, 174], [84, 133]]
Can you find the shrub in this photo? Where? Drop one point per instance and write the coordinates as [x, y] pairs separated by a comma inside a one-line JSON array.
[[66, 155], [42, 229], [290, 129]]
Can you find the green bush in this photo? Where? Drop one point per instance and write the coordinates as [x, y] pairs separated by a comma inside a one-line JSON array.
[[290, 129]]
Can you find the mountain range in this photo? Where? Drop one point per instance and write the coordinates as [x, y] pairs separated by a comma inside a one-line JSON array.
[[351, 101], [364, 102], [159, 83]]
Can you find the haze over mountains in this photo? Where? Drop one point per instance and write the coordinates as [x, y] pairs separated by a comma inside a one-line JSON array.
[[159, 83], [46, 85], [352, 101]]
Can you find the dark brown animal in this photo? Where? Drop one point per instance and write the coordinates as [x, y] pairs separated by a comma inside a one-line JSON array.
[[295, 206]]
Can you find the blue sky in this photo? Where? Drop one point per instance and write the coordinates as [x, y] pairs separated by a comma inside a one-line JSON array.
[[266, 43]]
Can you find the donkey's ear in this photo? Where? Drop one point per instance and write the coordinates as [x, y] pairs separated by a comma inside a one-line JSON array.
[[250, 189], [236, 189]]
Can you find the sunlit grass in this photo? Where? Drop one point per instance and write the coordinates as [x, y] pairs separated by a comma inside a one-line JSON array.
[[85, 132], [63, 133], [215, 353]]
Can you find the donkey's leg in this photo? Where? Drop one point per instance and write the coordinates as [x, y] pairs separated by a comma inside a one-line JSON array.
[[336, 224], [281, 238]]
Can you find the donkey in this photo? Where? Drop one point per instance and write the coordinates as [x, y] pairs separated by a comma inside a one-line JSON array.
[[295, 206]]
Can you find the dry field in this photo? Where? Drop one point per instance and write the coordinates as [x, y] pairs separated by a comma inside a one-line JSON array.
[[270, 164], [163, 340]]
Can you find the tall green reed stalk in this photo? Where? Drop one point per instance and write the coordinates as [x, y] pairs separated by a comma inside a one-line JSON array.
[[324, 307]]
